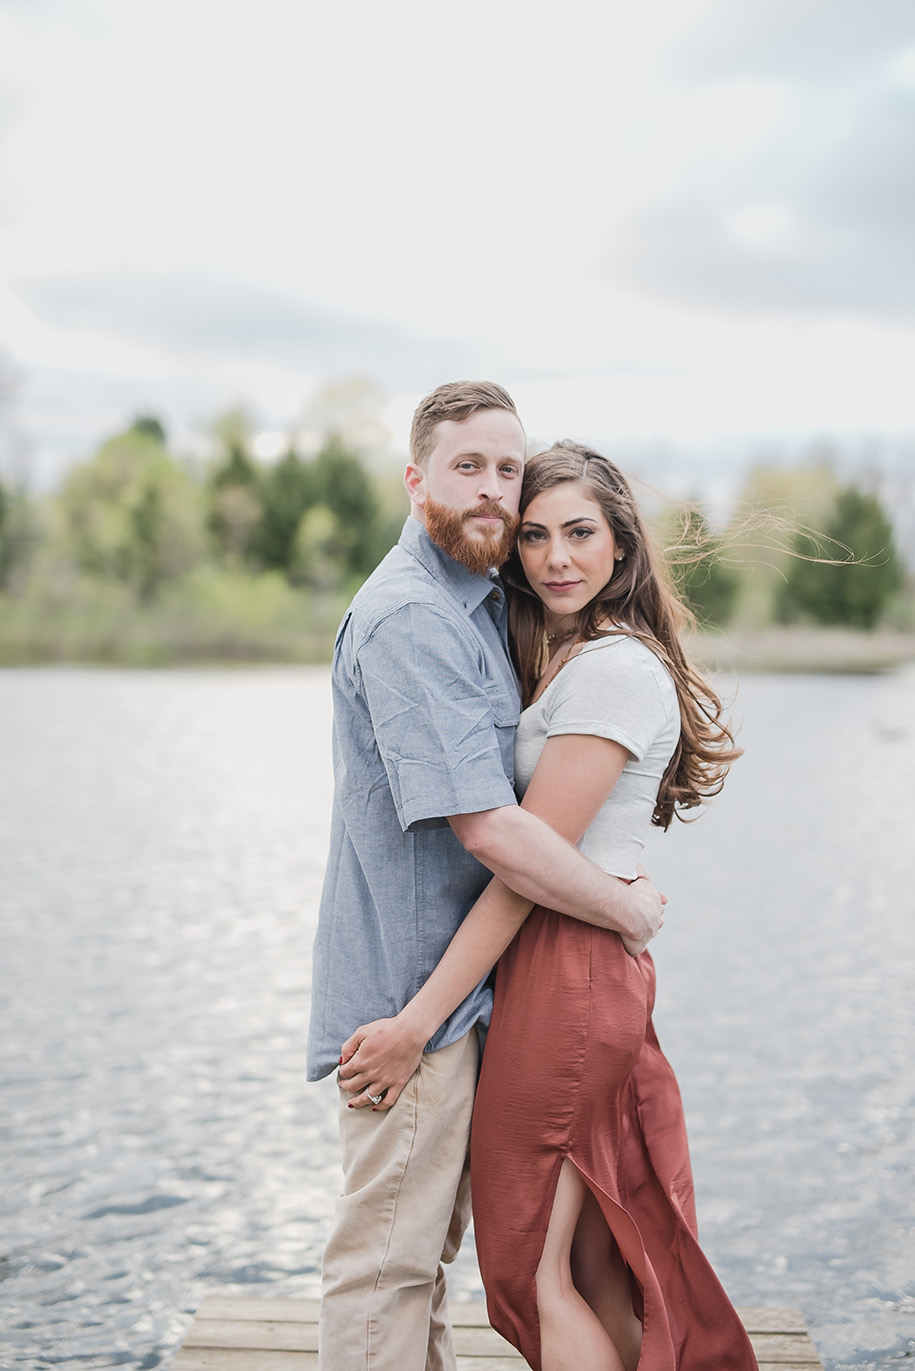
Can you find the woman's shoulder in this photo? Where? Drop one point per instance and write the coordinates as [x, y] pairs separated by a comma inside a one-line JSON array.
[[617, 688], [622, 651], [621, 662]]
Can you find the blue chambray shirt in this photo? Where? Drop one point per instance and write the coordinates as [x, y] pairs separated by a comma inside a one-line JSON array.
[[425, 708]]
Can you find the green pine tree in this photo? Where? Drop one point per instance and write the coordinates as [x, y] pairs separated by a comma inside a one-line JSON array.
[[859, 537]]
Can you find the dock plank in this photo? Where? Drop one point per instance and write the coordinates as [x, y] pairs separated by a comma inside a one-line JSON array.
[[273, 1335], [263, 1333], [247, 1359], [259, 1307]]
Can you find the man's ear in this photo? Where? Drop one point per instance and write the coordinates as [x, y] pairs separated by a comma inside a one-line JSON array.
[[415, 481]]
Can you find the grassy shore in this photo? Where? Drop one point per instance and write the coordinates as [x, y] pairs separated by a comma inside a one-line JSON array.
[[265, 621], [803, 649], [215, 617]]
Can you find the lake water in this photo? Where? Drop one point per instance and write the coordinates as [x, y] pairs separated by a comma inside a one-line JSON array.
[[162, 837]]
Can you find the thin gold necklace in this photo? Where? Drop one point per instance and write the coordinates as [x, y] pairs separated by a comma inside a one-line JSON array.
[[553, 660]]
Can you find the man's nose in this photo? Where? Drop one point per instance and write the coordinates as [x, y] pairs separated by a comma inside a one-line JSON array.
[[490, 486]]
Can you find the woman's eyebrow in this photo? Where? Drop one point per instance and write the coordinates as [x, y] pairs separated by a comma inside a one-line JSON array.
[[582, 519]]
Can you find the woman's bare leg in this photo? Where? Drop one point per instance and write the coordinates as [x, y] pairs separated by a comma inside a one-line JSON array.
[[572, 1336], [603, 1278]]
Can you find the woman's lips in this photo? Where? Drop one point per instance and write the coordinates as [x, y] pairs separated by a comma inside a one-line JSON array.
[[560, 585]]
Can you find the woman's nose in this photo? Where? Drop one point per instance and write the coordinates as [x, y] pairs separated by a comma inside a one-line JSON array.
[[558, 553]]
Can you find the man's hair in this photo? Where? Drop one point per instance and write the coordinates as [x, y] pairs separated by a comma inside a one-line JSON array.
[[455, 400]]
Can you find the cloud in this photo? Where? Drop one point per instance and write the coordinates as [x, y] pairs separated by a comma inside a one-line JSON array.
[[818, 41], [207, 314], [812, 215], [13, 105]]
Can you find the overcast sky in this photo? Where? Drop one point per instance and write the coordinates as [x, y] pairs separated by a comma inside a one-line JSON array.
[[676, 219]]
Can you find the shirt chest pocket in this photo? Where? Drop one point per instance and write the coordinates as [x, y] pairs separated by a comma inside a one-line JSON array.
[[506, 711], [505, 706]]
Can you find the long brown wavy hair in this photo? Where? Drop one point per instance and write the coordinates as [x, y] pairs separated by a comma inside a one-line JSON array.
[[637, 600]]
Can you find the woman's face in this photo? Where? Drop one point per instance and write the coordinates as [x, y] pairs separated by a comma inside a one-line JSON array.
[[567, 549]]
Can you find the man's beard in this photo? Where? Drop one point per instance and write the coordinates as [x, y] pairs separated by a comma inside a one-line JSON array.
[[446, 527]]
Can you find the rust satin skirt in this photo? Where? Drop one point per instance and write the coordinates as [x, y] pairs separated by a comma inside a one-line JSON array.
[[572, 1068]]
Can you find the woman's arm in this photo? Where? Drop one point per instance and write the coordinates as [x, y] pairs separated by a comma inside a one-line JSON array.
[[574, 775]]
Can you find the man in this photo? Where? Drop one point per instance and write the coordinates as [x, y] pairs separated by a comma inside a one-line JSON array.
[[425, 707]]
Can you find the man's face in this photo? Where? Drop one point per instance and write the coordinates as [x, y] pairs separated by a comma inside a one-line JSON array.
[[467, 495]]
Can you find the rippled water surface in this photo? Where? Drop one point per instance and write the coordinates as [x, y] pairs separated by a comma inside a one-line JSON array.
[[162, 838]]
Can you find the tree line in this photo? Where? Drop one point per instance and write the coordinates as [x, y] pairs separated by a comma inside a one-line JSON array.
[[228, 557], [136, 514], [841, 567], [135, 530]]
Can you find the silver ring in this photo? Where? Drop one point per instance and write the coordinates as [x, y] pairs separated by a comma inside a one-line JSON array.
[[376, 1099]]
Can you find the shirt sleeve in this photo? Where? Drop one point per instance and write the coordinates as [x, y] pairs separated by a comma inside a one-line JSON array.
[[613, 691], [436, 717]]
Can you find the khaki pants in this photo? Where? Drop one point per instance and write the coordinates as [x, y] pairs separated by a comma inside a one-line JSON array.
[[403, 1211]]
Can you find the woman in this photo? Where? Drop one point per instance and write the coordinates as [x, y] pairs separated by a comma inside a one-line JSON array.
[[582, 1191]]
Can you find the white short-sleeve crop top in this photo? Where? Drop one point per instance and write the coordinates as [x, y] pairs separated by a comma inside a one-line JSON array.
[[613, 688]]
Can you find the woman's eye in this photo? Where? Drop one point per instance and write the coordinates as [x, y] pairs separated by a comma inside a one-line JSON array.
[[581, 533]]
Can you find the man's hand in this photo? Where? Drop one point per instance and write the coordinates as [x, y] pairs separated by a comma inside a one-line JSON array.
[[649, 910], [379, 1059]]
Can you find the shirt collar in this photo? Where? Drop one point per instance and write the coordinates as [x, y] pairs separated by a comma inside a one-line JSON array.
[[467, 586]]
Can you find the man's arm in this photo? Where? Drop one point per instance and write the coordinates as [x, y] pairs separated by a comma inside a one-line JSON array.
[[533, 860], [530, 848], [530, 851], [574, 777]]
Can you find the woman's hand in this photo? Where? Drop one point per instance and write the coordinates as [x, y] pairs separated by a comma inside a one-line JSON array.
[[379, 1059]]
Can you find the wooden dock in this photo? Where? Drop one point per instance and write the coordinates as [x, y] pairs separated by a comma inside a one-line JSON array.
[[259, 1333]]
